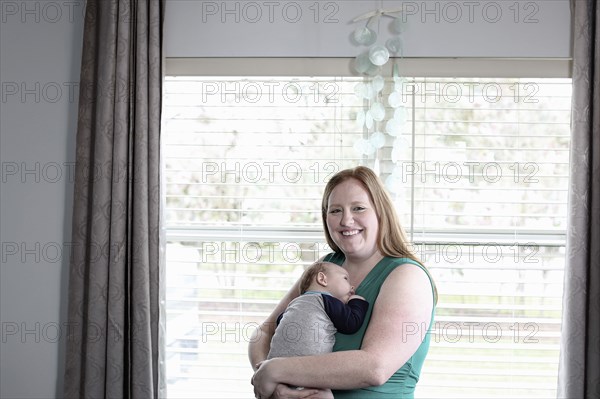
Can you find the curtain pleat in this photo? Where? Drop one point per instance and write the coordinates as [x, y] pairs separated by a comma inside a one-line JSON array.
[[579, 365], [115, 277]]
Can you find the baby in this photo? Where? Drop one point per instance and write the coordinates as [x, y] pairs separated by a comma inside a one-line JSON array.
[[326, 305]]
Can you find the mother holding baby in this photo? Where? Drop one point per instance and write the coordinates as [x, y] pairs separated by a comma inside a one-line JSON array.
[[384, 358]]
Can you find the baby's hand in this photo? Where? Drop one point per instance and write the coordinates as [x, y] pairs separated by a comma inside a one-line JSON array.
[[357, 297]]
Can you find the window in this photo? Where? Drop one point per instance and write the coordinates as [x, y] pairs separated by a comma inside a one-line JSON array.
[[479, 176]]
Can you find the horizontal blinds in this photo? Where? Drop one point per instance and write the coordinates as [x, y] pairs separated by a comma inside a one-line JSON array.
[[498, 151], [245, 152], [479, 181], [485, 153], [497, 325]]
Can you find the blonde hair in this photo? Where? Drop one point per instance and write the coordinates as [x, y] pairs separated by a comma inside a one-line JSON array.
[[391, 239]]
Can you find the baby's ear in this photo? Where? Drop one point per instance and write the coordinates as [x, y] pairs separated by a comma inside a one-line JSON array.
[[322, 279]]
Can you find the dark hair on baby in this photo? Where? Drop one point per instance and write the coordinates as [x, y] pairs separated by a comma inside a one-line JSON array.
[[309, 275]]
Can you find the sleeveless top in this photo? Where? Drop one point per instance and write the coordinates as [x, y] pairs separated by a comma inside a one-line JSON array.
[[403, 382]]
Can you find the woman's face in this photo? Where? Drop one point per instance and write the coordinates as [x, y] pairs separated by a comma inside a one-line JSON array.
[[352, 221]]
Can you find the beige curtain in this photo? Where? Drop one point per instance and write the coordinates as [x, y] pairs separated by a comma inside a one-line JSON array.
[[114, 282], [579, 367]]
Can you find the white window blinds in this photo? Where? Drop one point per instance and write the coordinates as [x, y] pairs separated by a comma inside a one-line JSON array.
[[479, 176]]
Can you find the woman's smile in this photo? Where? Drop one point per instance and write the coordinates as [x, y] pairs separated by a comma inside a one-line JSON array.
[[352, 221]]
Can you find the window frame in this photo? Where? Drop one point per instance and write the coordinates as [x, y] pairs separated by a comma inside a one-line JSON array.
[[437, 67], [342, 67]]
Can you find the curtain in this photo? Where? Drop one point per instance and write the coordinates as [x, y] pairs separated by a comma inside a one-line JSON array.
[[579, 365], [114, 346]]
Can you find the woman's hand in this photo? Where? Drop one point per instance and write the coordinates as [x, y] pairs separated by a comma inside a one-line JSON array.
[[321, 394], [266, 386], [263, 381], [356, 297], [283, 391]]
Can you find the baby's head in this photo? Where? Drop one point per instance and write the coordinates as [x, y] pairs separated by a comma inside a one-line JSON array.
[[327, 277]]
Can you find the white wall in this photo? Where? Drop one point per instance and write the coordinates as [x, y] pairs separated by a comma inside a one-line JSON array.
[[322, 28], [40, 45]]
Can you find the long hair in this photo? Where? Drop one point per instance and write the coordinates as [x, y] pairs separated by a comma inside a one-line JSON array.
[[391, 239]]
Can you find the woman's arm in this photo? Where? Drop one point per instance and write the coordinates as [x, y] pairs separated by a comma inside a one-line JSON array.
[[400, 319], [260, 342]]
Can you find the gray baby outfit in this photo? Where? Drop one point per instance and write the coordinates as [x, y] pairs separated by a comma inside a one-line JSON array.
[[310, 322]]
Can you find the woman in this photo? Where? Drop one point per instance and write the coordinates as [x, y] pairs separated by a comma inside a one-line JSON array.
[[384, 358]]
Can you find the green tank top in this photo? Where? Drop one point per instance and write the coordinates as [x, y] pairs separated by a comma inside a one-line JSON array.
[[402, 383]]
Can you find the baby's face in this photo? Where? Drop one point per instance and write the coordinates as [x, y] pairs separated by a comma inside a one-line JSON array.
[[338, 282]]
